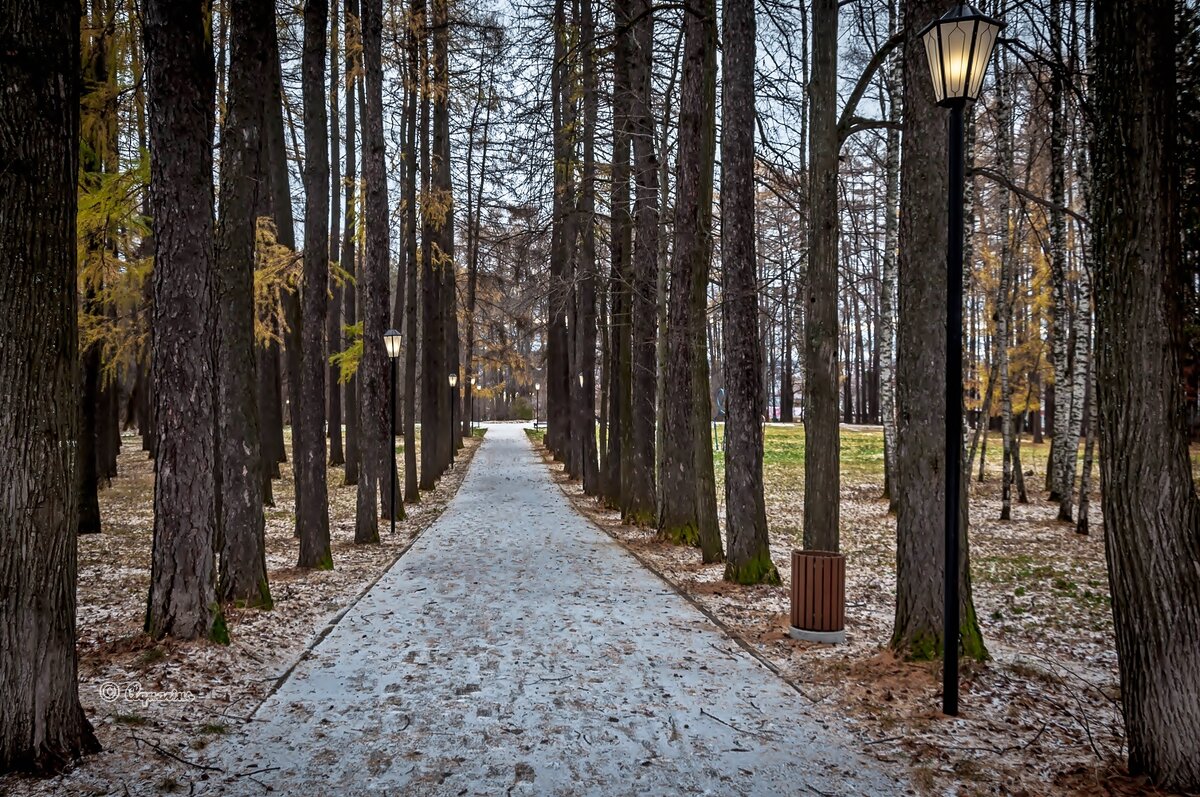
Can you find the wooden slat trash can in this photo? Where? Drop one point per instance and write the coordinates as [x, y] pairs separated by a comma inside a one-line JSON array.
[[818, 596]]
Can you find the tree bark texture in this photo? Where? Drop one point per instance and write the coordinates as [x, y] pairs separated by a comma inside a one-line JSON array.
[[749, 553], [639, 487], [1151, 512], [373, 288], [243, 567], [921, 370], [42, 725], [179, 71], [822, 435]]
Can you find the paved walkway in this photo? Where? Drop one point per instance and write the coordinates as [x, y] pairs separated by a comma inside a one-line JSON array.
[[517, 649]]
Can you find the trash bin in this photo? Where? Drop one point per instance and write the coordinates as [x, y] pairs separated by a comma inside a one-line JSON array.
[[818, 596]]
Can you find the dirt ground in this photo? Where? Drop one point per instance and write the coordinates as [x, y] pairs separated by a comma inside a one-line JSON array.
[[154, 705], [1042, 716]]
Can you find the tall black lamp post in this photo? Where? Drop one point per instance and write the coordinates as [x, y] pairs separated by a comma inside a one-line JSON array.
[[471, 420], [537, 404], [391, 341], [453, 395], [959, 46]]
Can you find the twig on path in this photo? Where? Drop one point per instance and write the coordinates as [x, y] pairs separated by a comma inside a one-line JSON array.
[[163, 751], [563, 678], [729, 724], [255, 772]]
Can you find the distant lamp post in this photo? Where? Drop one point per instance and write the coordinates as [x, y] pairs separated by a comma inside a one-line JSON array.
[[959, 47], [391, 341], [471, 420], [537, 404], [453, 384]]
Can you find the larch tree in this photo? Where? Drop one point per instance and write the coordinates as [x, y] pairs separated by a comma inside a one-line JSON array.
[[373, 293], [415, 88], [639, 488], [687, 499], [585, 425], [349, 261], [42, 725], [240, 521], [333, 332], [619, 441], [308, 414], [822, 436], [749, 554], [180, 75], [1151, 511], [921, 369]]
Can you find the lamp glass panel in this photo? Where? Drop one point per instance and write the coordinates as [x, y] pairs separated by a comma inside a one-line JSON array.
[[956, 56], [984, 44], [933, 53], [453, 380]]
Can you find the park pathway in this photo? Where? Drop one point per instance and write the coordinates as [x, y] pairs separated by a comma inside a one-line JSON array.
[[517, 649]]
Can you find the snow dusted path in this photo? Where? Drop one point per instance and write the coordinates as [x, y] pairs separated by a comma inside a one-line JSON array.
[[518, 649]]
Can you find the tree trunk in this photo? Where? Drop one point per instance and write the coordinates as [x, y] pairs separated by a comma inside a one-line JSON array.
[[921, 370], [308, 416], [686, 513], [745, 508], [443, 229], [374, 484], [585, 356], [619, 438], [42, 725], [639, 489], [333, 331], [240, 522], [1061, 449], [179, 70], [350, 234], [1151, 511], [887, 292], [822, 478], [412, 493]]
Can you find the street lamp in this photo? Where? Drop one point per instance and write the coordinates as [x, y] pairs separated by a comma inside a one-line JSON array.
[[958, 46], [391, 341], [453, 378], [537, 403], [471, 382]]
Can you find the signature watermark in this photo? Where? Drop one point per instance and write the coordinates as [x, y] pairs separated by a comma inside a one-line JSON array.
[[132, 692]]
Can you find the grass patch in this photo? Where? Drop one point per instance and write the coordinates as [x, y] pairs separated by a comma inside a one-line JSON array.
[[135, 720]]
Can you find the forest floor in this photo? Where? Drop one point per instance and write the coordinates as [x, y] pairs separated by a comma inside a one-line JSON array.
[[156, 705], [1042, 716]]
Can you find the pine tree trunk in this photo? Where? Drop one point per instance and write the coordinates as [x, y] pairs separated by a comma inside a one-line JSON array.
[[374, 487], [443, 229], [412, 493], [179, 71], [42, 725], [350, 235], [822, 436], [308, 415], [921, 370], [749, 559], [333, 333], [1151, 511], [640, 490], [240, 522], [685, 474], [620, 247], [586, 310]]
